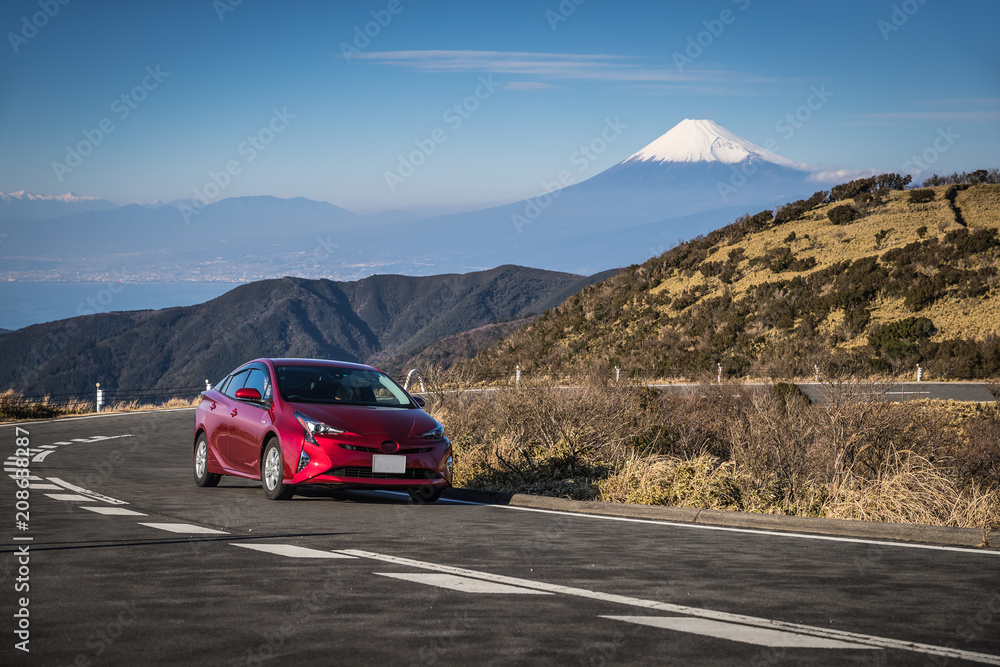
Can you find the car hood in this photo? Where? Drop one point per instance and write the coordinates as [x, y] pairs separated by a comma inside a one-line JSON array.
[[366, 419]]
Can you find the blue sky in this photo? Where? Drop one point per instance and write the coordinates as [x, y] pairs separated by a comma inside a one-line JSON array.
[[265, 88]]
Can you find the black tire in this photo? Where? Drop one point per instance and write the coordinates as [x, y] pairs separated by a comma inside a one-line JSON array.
[[201, 475], [272, 471], [425, 494]]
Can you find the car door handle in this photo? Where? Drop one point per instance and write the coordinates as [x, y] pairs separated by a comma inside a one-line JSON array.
[[233, 413], [213, 406]]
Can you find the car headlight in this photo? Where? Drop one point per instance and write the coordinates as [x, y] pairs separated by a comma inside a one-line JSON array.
[[435, 433], [313, 427]]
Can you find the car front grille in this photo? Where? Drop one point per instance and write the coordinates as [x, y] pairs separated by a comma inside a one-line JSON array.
[[376, 450], [359, 472]]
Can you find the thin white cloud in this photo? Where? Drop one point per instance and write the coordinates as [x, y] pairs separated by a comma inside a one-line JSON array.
[[841, 175], [527, 85], [565, 66]]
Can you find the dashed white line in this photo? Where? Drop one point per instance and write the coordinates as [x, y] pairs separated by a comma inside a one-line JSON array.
[[39, 486], [113, 511], [93, 495], [291, 551], [710, 614], [463, 584], [739, 633], [186, 528], [74, 497]]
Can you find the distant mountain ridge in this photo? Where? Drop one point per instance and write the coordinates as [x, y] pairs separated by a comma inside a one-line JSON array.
[[383, 319], [30, 206], [692, 179]]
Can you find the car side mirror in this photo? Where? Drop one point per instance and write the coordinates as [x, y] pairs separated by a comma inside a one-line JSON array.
[[248, 394], [419, 401]]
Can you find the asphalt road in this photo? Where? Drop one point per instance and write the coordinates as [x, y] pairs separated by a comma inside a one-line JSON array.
[[119, 575]]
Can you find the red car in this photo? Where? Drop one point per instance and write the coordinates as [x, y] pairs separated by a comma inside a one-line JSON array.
[[291, 422]]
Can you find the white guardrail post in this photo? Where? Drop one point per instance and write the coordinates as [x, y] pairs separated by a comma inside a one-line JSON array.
[[100, 397], [720, 373], [517, 374], [420, 378], [208, 385], [816, 367], [920, 373]]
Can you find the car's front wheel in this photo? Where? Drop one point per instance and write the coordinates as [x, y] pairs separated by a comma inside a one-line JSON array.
[[201, 475], [425, 494], [271, 469]]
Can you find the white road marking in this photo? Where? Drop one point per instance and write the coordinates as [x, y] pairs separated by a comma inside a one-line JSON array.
[[94, 495], [62, 443], [463, 584], [738, 633], [31, 478], [51, 446], [730, 529], [291, 550], [69, 496], [868, 640], [187, 528], [114, 511], [44, 487], [38, 458]]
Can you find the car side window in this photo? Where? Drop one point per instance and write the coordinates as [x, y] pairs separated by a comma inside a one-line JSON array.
[[235, 382], [258, 380]]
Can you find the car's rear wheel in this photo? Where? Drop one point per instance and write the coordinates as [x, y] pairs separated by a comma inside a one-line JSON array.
[[425, 494], [271, 470], [201, 475]]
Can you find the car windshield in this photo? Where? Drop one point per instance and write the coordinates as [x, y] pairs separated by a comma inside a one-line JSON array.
[[349, 386]]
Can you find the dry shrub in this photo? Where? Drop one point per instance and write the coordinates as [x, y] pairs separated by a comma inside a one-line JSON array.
[[912, 490], [540, 439], [13, 406], [730, 446], [702, 482]]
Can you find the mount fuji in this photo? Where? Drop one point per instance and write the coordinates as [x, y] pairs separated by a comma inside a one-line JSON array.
[[697, 177]]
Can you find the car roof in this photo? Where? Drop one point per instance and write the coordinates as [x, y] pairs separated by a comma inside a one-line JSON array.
[[317, 362]]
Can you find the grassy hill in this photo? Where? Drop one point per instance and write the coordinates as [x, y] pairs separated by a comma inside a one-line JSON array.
[[904, 283], [382, 319]]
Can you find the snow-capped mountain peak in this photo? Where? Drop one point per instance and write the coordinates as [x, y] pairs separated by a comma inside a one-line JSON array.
[[31, 196], [705, 141]]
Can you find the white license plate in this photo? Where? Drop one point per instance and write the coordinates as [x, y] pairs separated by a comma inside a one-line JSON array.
[[386, 463]]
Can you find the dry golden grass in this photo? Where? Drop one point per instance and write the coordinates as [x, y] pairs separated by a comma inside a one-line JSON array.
[[14, 407], [829, 244], [136, 406], [980, 205], [913, 490], [733, 447]]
